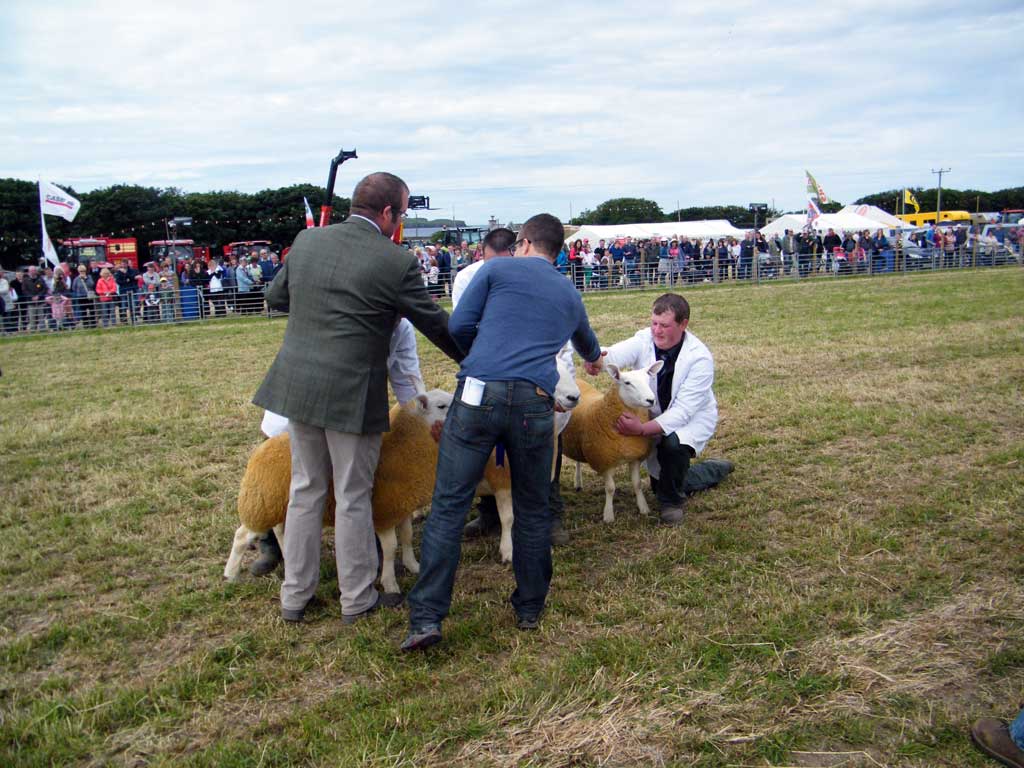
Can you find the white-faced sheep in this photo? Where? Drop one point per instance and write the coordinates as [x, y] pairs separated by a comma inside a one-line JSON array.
[[591, 436], [402, 483]]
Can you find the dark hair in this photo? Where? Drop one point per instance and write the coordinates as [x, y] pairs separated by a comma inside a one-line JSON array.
[[545, 232], [376, 192], [674, 303], [499, 240]]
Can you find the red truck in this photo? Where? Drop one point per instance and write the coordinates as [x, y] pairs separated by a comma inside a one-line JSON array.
[[177, 250], [77, 250], [245, 247]]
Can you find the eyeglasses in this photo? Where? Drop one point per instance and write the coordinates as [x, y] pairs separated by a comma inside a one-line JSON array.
[[517, 243]]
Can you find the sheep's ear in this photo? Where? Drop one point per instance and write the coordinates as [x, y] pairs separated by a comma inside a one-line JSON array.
[[613, 370], [655, 367], [424, 402], [417, 382]]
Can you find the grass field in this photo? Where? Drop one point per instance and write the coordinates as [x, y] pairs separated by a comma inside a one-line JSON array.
[[851, 596]]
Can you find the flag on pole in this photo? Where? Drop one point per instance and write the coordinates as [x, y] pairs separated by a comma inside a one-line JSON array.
[[814, 188], [813, 212], [56, 202], [48, 250], [909, 199], [309, 215]]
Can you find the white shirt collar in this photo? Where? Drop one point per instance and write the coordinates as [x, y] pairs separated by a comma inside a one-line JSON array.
[[375, 225]]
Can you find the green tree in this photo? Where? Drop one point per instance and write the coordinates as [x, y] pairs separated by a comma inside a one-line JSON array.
[[622, 210]]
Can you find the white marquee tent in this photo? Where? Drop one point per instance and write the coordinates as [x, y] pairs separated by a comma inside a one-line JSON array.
[[840, 222], [887, 220], [691, 229]]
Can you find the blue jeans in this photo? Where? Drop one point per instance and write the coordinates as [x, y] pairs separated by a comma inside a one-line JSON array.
[[521, 418], [1017, 730]]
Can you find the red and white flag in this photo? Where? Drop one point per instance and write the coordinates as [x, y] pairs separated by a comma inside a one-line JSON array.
[[54, 201], [309, 215], [813, 211]]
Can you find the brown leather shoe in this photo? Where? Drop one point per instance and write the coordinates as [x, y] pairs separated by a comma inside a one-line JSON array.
[[992, 737]]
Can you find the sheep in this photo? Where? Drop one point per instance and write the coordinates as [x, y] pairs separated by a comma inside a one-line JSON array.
[[591, 436], [497, 481], [407, 452], [403, 482]]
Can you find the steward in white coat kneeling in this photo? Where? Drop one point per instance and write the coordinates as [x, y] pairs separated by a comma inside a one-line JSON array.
[[685, 413]]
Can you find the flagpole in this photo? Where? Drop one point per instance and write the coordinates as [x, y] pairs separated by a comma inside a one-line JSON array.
[[49, 253]]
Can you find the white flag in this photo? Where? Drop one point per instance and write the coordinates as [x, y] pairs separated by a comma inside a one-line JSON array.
[[48, 250], [54, 201]]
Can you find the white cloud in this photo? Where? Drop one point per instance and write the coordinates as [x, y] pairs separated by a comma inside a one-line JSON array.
[[577, 102]]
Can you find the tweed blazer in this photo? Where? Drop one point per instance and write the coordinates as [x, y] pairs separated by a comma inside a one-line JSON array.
[[344, 287]]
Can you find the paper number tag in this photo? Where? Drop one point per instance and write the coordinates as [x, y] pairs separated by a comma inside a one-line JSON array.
[[472, 391]]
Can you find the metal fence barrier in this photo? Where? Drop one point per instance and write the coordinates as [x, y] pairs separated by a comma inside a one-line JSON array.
[[136, 308], [192, 304]]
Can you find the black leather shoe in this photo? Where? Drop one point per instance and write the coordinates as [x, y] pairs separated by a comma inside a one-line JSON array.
[[352, 618], [527, 623], [270, 555], [297, 615], [475, 529], [421, 639], [559, 536]]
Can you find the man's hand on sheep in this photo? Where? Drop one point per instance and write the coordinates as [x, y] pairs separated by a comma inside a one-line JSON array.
[[595, 367], [435, 430], [629, 425]]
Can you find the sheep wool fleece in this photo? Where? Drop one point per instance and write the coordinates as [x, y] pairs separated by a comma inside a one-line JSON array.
[[591, 436], [402, 483]]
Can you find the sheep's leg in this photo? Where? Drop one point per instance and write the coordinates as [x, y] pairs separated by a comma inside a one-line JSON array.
[[388, 545], [279, 533], [405, 539], [579, 476], [634, 476], [244, 538], [609, 495], [506, 515]]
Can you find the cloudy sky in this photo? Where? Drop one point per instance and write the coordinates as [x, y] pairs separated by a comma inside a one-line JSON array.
[[552, 106]]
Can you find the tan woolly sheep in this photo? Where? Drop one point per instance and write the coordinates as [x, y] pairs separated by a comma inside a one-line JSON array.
[[591, 436], [402, 483]]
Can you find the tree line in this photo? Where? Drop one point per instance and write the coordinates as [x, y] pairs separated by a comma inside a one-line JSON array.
[[126, 210], [634, 210], [277, 215]]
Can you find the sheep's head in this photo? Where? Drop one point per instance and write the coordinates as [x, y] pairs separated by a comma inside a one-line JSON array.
[[635, 386], [567, 392], [432, 407]]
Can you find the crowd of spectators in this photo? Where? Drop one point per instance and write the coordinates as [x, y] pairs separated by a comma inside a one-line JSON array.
[[101, 295], [91, 295]]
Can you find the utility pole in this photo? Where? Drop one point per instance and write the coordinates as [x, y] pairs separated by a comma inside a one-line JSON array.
[[938, 203]]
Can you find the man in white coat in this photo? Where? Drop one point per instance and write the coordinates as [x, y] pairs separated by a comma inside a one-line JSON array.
[[685, 413]]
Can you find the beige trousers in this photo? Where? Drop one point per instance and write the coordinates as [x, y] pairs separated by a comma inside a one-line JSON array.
[[317, 456]]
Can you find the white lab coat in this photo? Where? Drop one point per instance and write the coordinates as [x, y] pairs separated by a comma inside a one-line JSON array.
[[693, 411], [403, 373]]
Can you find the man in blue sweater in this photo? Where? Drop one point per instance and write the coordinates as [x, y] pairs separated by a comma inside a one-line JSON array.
[[512, 319]]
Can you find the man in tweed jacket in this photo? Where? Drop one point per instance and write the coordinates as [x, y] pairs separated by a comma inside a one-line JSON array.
[[344, 287]]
